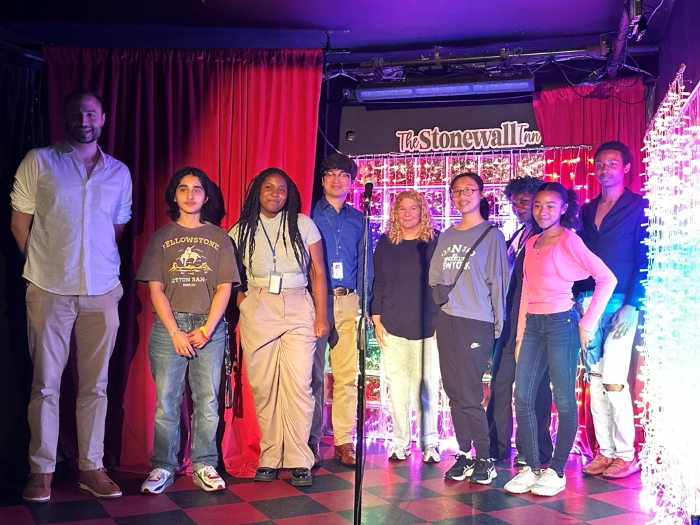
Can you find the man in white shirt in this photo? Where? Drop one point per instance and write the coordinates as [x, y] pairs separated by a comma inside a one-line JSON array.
[[70, 203]]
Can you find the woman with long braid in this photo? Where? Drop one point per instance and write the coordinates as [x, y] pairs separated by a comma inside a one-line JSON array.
[[279, 320]]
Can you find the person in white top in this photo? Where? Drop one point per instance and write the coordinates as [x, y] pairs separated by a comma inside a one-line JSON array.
[[70, 203], [277, 248]]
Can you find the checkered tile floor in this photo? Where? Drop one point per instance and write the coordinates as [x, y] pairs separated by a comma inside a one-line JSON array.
[[394, 493]]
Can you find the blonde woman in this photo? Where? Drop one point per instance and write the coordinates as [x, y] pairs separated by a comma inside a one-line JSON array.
[[403, 313]]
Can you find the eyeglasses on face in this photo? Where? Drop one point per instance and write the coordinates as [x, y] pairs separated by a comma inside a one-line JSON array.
[[467, 192], [337, 175]]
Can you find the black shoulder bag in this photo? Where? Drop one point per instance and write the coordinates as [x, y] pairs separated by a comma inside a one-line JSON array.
[[441, 292]]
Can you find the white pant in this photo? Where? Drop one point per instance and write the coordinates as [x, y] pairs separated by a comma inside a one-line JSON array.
[[608, 363], [412, 373]]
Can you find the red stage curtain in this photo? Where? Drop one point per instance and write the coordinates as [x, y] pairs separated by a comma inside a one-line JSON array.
[[231, 113], [593, 114]]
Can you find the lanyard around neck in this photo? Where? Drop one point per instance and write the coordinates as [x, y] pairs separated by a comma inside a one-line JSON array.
[[272, 248], [336, 235]]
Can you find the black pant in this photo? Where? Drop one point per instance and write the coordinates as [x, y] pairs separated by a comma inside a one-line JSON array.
[[464, 347], [499, 412]]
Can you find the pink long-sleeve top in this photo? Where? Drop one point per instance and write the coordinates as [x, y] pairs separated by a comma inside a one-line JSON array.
[[550, 272]]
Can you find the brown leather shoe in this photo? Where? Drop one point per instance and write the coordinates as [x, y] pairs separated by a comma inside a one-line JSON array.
[[98, 483], [346, 454], [597, 466], [621, 469], [38, 487]]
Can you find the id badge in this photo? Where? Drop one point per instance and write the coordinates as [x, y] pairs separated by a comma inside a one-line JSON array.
[[275, 283], [337, 270]]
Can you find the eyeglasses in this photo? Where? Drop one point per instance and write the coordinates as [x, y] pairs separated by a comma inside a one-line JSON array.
[[342, 175], [467, 192]]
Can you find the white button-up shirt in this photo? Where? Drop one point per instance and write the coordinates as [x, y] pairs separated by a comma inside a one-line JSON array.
[[72, 248]]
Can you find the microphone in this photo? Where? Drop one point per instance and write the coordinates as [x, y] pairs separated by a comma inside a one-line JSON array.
[[370, 182]]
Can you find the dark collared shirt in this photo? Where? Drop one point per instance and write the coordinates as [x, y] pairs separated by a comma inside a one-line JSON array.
[[618, 243], [342, 237]]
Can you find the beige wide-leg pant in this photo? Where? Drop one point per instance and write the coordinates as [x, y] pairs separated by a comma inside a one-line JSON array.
[[277, 334]]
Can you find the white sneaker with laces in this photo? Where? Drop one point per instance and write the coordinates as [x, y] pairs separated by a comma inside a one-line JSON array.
[[431, 455], [549, 484], [399, 453], [157, 481], [208, 478], [523, 482]]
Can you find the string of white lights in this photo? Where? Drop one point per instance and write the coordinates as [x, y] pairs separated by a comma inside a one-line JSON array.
[[670, 460]]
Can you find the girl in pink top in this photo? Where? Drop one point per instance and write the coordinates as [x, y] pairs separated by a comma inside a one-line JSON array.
[[550, 333]]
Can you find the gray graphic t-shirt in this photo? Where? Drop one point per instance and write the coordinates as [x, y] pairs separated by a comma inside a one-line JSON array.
[[191, 263]]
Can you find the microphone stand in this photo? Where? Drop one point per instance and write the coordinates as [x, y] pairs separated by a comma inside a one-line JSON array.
[[362, 351]]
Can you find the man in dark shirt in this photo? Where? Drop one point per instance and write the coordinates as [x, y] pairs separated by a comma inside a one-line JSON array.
[[342, 231], [612, 229]]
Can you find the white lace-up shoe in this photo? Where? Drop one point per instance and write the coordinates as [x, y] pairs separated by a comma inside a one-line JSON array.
[[523, 482], [158, 480], [431, 455], [549, 484], [208, 478]]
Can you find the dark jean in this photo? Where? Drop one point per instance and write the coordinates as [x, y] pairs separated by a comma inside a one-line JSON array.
[[204, 373], [550, 339]]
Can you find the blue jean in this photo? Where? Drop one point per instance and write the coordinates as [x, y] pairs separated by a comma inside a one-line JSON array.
[[204, 372], [550, 339]]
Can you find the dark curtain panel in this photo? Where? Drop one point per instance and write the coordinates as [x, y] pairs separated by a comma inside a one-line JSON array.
[[21, 128]]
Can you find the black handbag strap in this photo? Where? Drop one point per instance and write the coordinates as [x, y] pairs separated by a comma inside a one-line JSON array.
[[233, 397], [469, 253]]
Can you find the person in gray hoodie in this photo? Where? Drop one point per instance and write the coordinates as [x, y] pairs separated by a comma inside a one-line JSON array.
[[469, 322]]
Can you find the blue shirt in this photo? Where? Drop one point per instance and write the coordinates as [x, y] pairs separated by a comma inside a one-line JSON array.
[[342, 238]]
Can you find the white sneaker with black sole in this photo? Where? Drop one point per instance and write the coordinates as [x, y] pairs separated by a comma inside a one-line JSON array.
[[462, 469], [208, 478], [523, 481], [399, 453], [157, 481], [431, 455], [484, 472], [549, 484]]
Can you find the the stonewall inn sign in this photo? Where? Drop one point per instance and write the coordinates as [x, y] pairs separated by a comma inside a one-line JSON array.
[[512, 134], [365, 131]]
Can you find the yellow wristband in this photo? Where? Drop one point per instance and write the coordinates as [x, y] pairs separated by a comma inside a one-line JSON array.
[[204, 332]]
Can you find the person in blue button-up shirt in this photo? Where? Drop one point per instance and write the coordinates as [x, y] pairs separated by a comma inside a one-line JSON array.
[[341, 228]]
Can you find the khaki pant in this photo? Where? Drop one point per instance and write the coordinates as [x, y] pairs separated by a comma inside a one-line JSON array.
[[51, 319], [342, 312], [277, 334]]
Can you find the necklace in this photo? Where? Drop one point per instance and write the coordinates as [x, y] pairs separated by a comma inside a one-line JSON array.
[[548, 240]]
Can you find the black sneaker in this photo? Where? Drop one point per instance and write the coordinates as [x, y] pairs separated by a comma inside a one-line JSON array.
[[484, 472], [462, 469], [519, 460]]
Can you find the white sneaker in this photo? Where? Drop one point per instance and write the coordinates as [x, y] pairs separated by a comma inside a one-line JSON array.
[[399, 453], [431, 455], [208, 478], [523, 482], [158, 480], [549, 484]]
